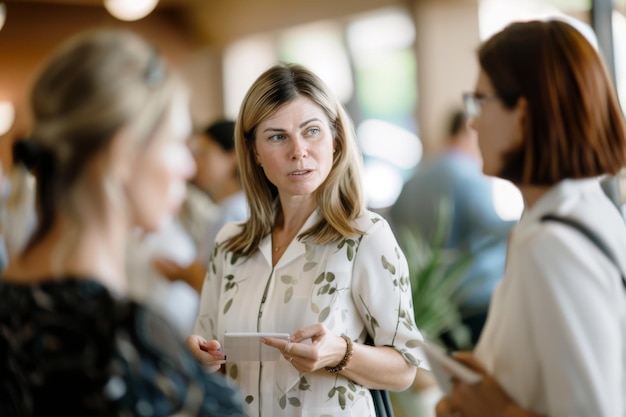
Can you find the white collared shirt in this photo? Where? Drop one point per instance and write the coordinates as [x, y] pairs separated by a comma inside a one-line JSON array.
[[555, 336]]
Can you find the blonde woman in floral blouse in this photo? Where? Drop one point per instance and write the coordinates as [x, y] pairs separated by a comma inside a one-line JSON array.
[[311, 261]]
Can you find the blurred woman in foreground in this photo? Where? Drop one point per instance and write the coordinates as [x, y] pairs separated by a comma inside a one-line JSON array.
[[109, 154]]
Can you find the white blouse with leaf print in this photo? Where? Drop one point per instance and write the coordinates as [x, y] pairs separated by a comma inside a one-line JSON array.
[[355, 286]]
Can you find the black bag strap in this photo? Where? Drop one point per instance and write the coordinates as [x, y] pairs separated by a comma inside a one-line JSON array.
[[591, 236], [382, 403], [381, 398]]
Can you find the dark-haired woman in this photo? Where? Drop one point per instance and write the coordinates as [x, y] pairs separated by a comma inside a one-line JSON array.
[[555, 339]]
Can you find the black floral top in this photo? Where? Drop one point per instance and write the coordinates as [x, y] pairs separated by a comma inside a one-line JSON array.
[[72, 348]]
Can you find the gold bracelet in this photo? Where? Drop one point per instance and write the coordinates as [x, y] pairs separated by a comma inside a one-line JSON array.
[[346, 358]]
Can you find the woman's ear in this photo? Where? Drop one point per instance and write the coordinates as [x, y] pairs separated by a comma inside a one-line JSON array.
[[257, 158], [232, 159], [522, 120]]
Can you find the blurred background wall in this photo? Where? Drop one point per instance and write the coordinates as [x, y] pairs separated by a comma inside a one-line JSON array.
[[399, 66]]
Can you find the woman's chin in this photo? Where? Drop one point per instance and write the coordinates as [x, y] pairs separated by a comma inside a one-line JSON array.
[[156, 225]]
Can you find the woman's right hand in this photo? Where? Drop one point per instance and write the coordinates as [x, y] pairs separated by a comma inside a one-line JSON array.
[[483, 399], [207, 353]]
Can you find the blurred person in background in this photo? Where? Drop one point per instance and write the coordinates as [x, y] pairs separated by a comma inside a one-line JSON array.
[[17, 206], [452, 184], [549, 121], [4, 185], [108, 150], [17, 191], [217, 175]]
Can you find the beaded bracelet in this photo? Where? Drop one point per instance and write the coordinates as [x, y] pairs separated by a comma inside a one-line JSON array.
[[346, 358]]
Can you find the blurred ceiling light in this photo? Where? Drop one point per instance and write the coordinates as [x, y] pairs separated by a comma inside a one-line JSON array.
[[494, 15], [7, 116], [243, 62], [392, 28], [382, 184], [391, 143], [507, 199], [3, 14], [319, 46], [130, 9]]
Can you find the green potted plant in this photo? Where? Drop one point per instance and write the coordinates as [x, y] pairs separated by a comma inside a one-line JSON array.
[[435, 273]]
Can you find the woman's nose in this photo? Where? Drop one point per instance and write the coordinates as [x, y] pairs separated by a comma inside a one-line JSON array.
[[299, 149]]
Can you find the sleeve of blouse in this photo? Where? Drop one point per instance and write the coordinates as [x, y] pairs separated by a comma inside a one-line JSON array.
[[382, 292], [571, 293]]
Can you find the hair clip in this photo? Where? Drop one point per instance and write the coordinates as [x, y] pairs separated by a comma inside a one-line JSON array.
[[155, 72]]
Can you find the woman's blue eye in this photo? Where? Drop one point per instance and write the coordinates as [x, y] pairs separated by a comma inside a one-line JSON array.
[[276, 137], [314, 130]]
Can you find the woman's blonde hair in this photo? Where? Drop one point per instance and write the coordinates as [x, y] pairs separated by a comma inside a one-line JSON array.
[[97, 85], [340, 198]]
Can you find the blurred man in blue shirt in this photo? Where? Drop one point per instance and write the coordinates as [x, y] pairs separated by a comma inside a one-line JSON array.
[[454, 177]]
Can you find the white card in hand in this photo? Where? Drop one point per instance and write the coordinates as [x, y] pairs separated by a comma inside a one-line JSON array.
[[248, 347], [445, 367]]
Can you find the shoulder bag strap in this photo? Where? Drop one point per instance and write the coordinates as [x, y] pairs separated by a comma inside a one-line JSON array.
[[591, 236]]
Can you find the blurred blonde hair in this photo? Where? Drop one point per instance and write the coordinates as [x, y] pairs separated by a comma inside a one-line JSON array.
[[340, 198], [97, 85]]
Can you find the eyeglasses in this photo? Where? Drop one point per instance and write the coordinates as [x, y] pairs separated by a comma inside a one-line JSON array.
[[472, 103]]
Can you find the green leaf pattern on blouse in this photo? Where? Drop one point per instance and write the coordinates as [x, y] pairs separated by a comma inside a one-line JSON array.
[[341, 392]]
